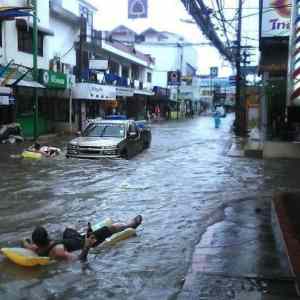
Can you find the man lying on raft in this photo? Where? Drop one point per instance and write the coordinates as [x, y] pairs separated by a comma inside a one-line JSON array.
[[44, 150], [73, 240]]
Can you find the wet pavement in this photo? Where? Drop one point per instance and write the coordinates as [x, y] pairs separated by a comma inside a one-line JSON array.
[[206, 231]]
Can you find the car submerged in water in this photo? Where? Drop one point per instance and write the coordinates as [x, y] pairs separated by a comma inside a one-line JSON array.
[[111, 139]]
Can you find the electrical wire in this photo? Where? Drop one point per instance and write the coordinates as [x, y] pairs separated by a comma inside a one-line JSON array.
[[67, 52]]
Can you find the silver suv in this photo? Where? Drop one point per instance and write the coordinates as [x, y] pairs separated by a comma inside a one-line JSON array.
[[111, 139]]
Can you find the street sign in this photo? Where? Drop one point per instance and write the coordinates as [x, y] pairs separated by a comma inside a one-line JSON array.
[[137, 9], [174, 78], [214, 71]]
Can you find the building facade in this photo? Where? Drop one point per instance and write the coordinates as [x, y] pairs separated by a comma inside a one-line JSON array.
[[172, 53], [273, 66], [68, 49]]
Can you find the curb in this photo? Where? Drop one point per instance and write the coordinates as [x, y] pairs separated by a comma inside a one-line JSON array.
[[285, 230]]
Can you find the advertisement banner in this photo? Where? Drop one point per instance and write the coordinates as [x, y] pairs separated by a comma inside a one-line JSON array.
[[275, 18]]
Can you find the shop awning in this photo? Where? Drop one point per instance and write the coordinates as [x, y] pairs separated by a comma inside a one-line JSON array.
[[24, 24], [25, 83]]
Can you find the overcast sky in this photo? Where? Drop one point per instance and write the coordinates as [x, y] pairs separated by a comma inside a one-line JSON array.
[[167, 15]]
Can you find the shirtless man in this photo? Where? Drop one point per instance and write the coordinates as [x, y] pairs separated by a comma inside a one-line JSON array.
[[73, 241], [45, 150]]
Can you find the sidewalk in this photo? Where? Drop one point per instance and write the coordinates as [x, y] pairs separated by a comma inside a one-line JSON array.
[[251, 146], [237, 258]]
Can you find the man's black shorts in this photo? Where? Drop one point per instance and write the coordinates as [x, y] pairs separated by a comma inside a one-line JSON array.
[[74, 241]]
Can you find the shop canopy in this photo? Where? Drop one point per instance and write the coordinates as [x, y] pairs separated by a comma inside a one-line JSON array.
[[12, 12]]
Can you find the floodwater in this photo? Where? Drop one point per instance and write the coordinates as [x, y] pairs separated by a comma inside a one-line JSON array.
[[177, 185]]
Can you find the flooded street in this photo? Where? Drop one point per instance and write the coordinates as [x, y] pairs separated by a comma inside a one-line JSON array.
[[180, 185]]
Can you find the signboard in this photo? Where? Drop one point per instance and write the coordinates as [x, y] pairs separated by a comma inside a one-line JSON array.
[[97, 64], [93, 91], [214, 71], [161, 92], [51, 79], [137, 9], [71, 80], [275, 18], [248, 70], [174, 78], [5, 95], [124, 92], [232, 80]]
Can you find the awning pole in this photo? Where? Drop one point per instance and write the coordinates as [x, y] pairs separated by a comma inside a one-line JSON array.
[[70, 111]]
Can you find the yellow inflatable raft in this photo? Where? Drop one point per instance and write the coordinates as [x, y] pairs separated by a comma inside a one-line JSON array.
[[25, 257], [31, 155], [28, 258]]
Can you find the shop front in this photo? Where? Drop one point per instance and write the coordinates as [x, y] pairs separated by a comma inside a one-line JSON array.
[[137, 105], [159, 105], [19, 107], [92, 101], [124, 96], [55, 105], [7, 106]]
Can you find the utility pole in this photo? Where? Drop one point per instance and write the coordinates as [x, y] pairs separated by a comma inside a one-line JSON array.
[[35, 70], [82, 36], [179, 78], [240, 128]]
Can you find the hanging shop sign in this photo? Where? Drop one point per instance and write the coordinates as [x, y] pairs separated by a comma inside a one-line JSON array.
[[174, 78], [275, 18], [137, 9], [98, 64], [51, 79], [124, 92], [93, 91]]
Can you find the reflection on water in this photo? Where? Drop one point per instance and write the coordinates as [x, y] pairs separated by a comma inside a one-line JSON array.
[[175, 185]]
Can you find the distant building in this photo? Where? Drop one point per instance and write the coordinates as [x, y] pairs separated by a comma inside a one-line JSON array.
[[219, 90], [172, 53]]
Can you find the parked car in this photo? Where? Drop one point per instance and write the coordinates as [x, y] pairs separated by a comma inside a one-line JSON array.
[[111, 139]]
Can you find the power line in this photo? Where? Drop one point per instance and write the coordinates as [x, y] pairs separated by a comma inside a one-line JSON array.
[[201, 14], [256, 8]]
